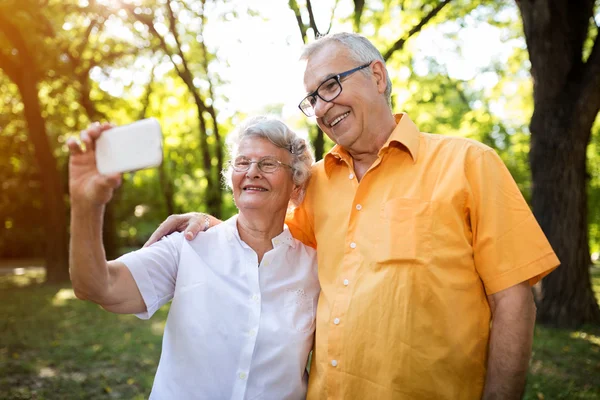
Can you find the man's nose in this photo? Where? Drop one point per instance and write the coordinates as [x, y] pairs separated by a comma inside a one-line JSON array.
[[321, 107]]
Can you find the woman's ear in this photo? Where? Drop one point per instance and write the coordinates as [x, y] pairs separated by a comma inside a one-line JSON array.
[[296, 193]]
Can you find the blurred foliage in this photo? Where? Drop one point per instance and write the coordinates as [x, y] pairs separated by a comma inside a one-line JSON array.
[[106, 60]]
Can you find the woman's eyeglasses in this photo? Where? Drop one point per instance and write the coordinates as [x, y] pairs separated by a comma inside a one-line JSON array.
[[266, 164]]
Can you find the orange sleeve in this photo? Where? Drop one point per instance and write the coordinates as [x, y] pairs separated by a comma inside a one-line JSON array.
[[508, 243], [300, 222]]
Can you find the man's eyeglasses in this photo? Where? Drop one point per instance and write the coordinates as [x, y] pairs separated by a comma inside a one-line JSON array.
[[266, 164], [327, 91]]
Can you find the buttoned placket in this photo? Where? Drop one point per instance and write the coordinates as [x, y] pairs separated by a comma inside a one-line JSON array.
[[252, 327], [351, 261]]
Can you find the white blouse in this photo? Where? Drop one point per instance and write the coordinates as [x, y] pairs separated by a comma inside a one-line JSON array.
[[234, 330]]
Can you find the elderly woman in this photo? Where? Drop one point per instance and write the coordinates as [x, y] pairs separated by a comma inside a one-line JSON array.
[[243, 293]]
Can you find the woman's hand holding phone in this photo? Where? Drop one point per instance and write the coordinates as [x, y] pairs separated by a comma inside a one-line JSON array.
[[87, 187], [95, 168]]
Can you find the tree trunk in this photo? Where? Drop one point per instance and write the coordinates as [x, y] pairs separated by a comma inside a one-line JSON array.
[[559, 199], [218, 146], [166, 186], [55, 209], [319, 144], [566, 103], [21, 67]]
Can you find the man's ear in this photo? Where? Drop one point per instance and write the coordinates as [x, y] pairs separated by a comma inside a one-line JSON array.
[[380, 75]]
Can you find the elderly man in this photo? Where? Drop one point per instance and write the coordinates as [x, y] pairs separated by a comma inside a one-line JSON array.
[[426, 248]]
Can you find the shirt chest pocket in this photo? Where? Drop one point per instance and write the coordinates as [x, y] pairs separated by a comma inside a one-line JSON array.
[[405, 231], [300, 309]]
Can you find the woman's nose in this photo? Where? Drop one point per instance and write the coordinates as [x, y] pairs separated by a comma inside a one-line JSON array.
[[253, 171]]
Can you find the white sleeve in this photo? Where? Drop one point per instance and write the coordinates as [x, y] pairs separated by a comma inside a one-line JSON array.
[[154, 270]]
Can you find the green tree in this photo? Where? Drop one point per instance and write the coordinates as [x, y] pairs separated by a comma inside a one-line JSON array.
[[25, 64], [173, 44], [564, 50]]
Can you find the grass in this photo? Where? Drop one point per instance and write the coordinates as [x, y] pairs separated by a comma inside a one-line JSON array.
[[53, 346], [566, 364]]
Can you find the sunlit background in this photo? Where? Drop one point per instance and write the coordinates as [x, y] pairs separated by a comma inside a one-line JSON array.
[[200, 67], [259, 43], [460, 67]]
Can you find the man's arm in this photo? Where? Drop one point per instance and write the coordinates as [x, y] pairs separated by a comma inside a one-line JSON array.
[[110, 285], [190, 224], [511, 338]]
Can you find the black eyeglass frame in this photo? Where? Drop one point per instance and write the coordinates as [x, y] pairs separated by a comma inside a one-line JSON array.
[[258, 164], [337, 78]]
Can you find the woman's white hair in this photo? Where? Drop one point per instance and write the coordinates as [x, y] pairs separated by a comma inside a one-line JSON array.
[[278, 133], [359, 48]]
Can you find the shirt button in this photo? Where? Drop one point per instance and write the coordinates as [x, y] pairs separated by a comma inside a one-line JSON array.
[[346, 282], [242, 375], [334, 363], [358, 207], [255, 297], [252, 332], [351, 176], [353, 245], [336, 321]]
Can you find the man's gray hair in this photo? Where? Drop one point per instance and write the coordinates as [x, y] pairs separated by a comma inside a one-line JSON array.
[[359, 48], [278, 133]]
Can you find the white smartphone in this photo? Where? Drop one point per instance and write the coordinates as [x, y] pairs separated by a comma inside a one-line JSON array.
[[129, 147]]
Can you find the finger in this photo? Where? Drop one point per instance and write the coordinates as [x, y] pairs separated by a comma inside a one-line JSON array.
[[73, 146], [156, 235], [196, 224], [94, 129], [87, 141], [167, 226], [93, 132], [192, 230]]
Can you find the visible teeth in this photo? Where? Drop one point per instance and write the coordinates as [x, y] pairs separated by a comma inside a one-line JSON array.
[[255, 188], [338, 119]]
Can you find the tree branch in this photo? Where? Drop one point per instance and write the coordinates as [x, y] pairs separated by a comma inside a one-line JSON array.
[[13, 34], [332, 15], [590, 93], [149, 22], [400, 43], [9, 67], [146, 99], [294, 7], [311, 18], [86, 35], [359, 5], [76, 62], [186, 74], [173, 30], [211, 108]]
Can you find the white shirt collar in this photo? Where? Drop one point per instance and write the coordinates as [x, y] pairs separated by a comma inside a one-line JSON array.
[[284, 238]]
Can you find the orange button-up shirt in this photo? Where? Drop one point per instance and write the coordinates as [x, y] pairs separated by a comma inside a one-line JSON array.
[[407, 257]]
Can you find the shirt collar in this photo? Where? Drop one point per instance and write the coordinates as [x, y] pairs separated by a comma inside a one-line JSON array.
[[284, 238], [406, 135]]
